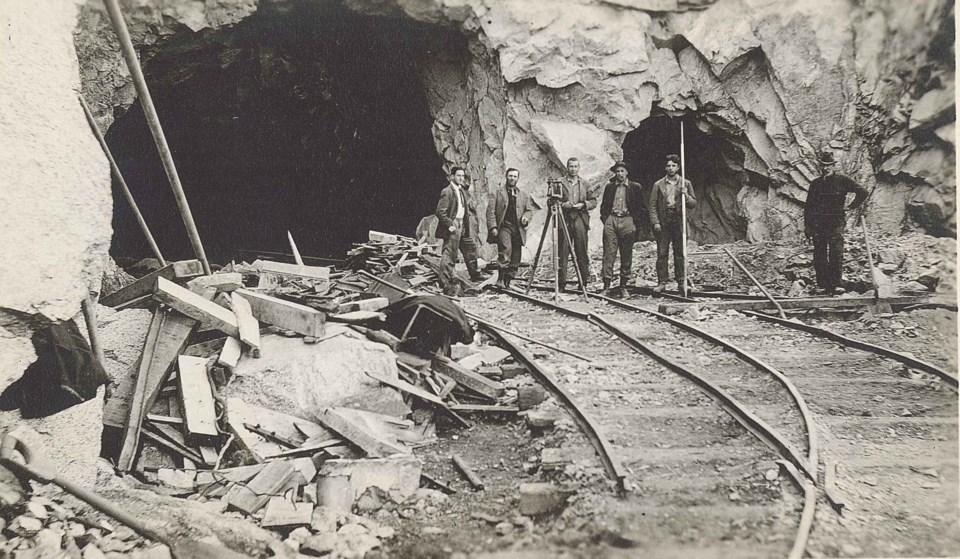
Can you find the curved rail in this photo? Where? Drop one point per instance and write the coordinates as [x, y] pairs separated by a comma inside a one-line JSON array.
[[857, 344], [614, 469]]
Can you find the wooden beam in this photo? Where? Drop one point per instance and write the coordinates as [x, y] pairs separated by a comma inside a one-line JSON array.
[[166, 338], [800, 303], [285, 314], [418, 392], [248, 325], [199, 410], [283, 269], [251, 497], [144, 286], [230, 354], [468, 379], [196, 307], [371, 443], [227, 281]]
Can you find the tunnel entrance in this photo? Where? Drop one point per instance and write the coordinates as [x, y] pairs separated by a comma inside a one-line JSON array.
[[312, 120], [714, 165]]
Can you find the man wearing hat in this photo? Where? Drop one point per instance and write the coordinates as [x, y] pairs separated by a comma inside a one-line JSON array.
[[621, 212], [824, 219], [508, 214], [665, 216]]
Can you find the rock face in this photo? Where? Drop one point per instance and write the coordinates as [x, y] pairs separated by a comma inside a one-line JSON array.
[[527, 85]]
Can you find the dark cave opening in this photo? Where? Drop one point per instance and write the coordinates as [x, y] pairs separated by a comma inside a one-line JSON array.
[[313, 120], [714, 165]]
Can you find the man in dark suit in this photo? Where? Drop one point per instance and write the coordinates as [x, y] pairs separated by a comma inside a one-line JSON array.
[[576, 204], [622, 212], [665, 216], [508, 214], [456, 215], [824, 219]]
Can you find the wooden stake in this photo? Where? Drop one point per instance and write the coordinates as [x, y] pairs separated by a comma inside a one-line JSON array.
[[89, 308], [123, 184], [682, 282], [146, 102], [467, 472], [296, 253]]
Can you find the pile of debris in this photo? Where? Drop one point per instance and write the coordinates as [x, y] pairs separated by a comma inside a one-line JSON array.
[[180, 418]]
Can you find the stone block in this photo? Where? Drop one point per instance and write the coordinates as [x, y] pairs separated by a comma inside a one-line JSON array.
[[342, 482], [542, 498]]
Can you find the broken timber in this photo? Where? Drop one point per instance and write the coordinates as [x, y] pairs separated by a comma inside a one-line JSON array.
[[246, 323], [269, 481], [283, 269], [804, 303], [196, 306], [467, 472], [418, 392], [285, 314], [368, 441], [230, 354], [199, 410], [166, 339], [468, 379], [144, 286]]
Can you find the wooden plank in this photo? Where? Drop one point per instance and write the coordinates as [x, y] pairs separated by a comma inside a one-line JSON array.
[[419, 393], [467, 472], [308, 449], [484, 408], [248, 325], [196, 394], [239, 474], [208, 348], [468, 379], [165, 419], [230, 354], [281, 513], [196, 307], [224, 282], [800, 303], [253, 496], [166, 443], [166, 338], [372, 304], [285, 314], [374, 444], [284, 269], [288, 426], [144, 286], [357, 317]]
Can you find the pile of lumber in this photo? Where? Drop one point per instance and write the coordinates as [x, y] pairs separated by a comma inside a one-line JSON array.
[[165, 410]]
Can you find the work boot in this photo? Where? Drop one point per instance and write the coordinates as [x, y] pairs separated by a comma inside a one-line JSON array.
[[660, 287], [606, 284], [475, 274], [502, 281], [506, 280]]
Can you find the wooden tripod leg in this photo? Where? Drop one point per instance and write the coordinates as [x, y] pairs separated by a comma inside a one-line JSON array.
[[536, 259], [576, 265]]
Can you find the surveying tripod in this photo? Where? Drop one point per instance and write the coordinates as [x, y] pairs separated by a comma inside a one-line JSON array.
[[556, 224]]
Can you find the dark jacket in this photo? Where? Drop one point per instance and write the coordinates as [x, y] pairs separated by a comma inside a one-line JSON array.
[[497, 210], [825, 200], [447, 211], [658, 201], [636, 203], [588, 197]]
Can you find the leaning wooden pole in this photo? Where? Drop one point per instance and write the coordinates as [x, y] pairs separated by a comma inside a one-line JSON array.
[[89, 307], [133, 64], [123, 184], [756, 282], [682, 281]]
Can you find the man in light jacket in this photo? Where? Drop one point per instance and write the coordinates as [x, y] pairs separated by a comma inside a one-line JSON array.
[[508, 214], [456, 214]]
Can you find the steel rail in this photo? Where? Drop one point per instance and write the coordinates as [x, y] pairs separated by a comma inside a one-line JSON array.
[[861, 345], [612, 465], [738, 411]]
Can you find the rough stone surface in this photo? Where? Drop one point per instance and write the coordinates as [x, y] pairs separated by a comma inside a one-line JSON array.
[[341, 482]]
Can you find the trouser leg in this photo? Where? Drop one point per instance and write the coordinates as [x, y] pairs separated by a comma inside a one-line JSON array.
[[610, 247], [578, 232], [448, 257], [663, 254], [469, 247], [563, 252], [516, 251], [835, 258], [820, 243], [627, 234], [676, 239]]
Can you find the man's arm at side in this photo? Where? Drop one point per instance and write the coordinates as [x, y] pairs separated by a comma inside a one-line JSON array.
[[442, 212], [654, 198]]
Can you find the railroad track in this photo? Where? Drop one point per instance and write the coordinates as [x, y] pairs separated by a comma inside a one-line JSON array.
[[698, 425]]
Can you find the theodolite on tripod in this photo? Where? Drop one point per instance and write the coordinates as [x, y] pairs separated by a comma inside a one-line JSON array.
[[556, 224]]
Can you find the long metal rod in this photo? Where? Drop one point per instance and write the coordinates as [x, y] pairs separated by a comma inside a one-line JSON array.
[[756, 282], [682, 281], [864, 346], [115, 169], [140, 83], [610, 462]]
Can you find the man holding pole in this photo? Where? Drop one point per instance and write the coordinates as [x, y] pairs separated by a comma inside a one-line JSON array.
[[824, 219], [667, 220]]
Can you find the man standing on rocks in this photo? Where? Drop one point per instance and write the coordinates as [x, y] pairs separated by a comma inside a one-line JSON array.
[[508, 214], [621, 212], [824, 219], [665, 216], [456, 215], [576, 203]]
